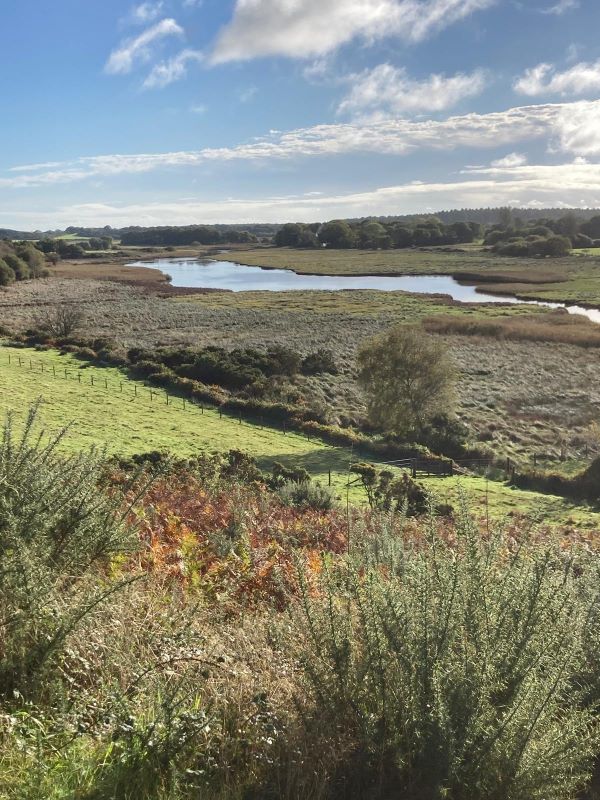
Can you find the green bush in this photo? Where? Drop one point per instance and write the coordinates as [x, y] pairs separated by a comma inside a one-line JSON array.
[[307, 494], [56, 530], [7, 275], [447, 672]]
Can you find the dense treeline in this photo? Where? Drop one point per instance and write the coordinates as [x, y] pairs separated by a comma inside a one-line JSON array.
[[20, 261], [191, 234], [543, 237], [371, 234], [483, 216]]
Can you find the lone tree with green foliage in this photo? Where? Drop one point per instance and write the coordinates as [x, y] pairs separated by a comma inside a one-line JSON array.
[[408, 378]]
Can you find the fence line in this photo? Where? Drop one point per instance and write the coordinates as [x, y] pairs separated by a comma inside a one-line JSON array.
[[416, 466]]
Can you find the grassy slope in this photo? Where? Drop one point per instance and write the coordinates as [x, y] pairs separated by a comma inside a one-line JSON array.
[[115, 419]]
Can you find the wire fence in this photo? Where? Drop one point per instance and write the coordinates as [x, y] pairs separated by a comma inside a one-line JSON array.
[[134, 392]]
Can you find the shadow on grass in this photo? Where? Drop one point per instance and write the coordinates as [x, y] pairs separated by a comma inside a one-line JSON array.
[[316, 462]]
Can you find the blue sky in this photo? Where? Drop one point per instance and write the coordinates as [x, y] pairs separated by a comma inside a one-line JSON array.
[[190, 111]]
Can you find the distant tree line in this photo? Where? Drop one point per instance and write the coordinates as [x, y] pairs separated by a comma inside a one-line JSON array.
[[543, 237], [372, 234], [68, 248], [184, 236]]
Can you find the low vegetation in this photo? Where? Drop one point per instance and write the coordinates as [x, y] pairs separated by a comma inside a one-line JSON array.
[[560, 327], [185, 633]]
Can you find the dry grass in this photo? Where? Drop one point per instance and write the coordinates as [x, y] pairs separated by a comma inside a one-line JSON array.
[[559, 327]]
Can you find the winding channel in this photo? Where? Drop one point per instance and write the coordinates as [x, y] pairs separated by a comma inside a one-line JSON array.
[[227, 275]]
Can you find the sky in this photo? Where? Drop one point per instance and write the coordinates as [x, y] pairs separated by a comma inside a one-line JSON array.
[[235, 111]]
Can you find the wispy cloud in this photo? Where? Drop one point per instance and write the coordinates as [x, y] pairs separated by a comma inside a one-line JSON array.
[[545, 79], [174, 69], [560, 8], [389, 90], [145, 13], [247, 95], [137, 49], [316, 27], [568, 127], [510, 161]]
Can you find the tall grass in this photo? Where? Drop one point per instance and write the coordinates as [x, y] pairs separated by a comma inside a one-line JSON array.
[[558, 327]]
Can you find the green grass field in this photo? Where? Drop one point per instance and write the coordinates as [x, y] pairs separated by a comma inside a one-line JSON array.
[[105, 409]]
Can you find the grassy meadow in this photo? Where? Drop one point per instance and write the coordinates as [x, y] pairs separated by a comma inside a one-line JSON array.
[[106, 410]]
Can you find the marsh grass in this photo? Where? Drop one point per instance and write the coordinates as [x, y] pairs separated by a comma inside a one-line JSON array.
[[559, 327]]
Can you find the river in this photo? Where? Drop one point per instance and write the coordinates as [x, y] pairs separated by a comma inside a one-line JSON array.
[[210, 274]]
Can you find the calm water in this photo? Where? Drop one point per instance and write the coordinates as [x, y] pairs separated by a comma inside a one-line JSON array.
[[208, 274]]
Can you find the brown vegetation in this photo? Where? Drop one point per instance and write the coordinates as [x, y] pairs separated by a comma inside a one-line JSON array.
[[559, 326]]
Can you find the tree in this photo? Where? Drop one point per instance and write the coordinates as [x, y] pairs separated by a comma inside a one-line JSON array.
[[337, 234], [591, 228], [289, 235], [7, 275], [373, 236], [408, 378], [60, 321]]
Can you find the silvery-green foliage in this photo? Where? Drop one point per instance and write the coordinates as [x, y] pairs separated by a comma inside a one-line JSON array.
[[452, 670]]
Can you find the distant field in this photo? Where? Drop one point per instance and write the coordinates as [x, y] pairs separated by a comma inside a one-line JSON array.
[[102, 409]]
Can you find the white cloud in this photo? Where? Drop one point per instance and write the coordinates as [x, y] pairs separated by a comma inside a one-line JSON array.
[[579, 79], [511, 160], [563, 185], [305, 28], [124, 58], [560, 8], [389, 90], [198, 108], [569, 127], [577, 129], [145, 13], [174, 69]]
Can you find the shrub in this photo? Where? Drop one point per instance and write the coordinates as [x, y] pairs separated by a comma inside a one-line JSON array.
[[319, 362], [307, 494], [7, 275], [57, 529], [449, 673]]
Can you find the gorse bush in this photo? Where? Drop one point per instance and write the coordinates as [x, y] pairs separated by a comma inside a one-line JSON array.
[[307, 494], [449, 672], [57, 528]]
